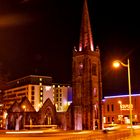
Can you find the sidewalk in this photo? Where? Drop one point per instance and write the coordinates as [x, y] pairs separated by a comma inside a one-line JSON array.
[[134, 138]]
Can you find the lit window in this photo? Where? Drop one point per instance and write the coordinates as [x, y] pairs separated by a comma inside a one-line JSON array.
[[136, 116], [48, 88]]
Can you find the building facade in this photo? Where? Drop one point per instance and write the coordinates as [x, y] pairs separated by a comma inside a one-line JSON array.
[[86, 79], [62, 94], [42, 97], [33, 87], [116, 109], [38, 89], [40, 102], [1, 114]]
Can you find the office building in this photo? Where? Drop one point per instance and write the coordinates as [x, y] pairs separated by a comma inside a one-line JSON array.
[[34, 87], [116, 109]]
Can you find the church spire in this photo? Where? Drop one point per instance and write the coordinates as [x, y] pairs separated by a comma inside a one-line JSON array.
[[86, 41]]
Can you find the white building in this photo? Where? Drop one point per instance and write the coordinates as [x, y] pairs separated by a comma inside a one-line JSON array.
[[37, 89], [33, 87], [62, 96]]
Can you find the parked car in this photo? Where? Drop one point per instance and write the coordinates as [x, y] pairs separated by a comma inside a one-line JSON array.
[[111, 127]]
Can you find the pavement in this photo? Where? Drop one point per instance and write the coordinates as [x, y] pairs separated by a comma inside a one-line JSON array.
[[134, 138], [52, 134]]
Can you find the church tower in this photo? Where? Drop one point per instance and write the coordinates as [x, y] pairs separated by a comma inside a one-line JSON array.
[[86, 79]]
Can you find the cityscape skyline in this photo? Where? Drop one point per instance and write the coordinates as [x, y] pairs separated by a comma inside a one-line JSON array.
[[37, 37]]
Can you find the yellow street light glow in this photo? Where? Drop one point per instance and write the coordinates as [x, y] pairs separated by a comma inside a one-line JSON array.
[[23, 106], [116, 64]]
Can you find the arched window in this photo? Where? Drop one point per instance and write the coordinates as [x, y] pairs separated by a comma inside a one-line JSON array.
[[48, 116], [80, 69], [94, 69]]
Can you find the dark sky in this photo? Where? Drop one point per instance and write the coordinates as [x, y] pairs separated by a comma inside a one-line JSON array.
[[37, 37]]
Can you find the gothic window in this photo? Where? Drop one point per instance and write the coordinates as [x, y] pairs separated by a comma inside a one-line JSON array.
[[95, 92], [94, 69], [80, 69], [48, 118]]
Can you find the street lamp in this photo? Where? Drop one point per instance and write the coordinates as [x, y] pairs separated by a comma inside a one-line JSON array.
[[116, 64], [120, 103], [24, 119]]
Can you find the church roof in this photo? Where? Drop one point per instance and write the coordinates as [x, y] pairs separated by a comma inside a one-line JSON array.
[[86, 41]]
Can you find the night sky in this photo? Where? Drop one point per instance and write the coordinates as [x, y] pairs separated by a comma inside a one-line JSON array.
[[38, 36]]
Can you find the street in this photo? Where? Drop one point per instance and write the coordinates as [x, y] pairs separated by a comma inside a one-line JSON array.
[[57, 134]]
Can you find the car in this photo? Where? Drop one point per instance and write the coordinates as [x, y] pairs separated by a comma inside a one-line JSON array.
[[111, 127], [134, 126]]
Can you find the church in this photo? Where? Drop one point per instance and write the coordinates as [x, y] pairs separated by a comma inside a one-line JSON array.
[[85, 111]]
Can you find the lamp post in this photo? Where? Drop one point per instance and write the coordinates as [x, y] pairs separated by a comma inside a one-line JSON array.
[[116, 64], [24, 119], [120, 103]]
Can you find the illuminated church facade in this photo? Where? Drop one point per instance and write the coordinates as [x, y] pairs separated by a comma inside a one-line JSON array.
[[86, 79], [85, 111]]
